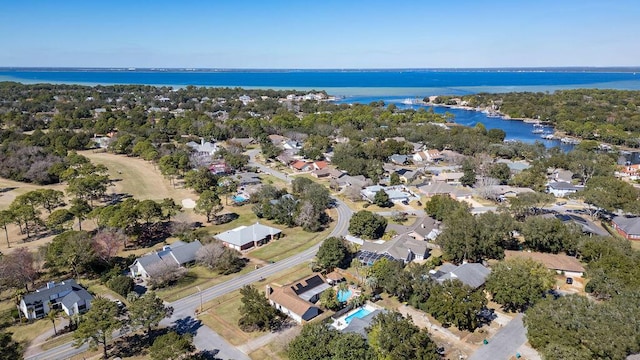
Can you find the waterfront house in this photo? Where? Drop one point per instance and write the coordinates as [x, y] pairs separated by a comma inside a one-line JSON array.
[[177, 254], [297, 300], [66, 295], [246, 237]]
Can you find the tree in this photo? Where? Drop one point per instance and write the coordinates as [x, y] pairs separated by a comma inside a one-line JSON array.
[[367, 225], [334, 345], [201, 180], [611, 194], [526, 204], [9, 349], [52, 316], [382, 199], [169, 208], [148, 210], [220, 258], [517, 284], [501, 172], [71, 249], [163, 273], [50, 199], [6, 218], [147, 311], [107, 242], [171, 346], [394, 179], [391, 336], [469, 176], [255, 312], [548, 235], [59, 219], [332, 253], [456, 303], [80, 208], [121, 284], [329, 299], [208, 204], [98, 324], [18, 269], [308, 218], [442, 206]]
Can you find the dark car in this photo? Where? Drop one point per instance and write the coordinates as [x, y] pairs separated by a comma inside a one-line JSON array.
[[569, 280]]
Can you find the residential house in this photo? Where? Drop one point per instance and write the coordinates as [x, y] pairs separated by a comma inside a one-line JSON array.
[[560, 175], [286, 158], [627, 227], [407, 175], [244, 142], [397, 194], [426, 230], [331, 173], [297, 300], [291, 145], [420, 156], [358, 181], [442, 188], [629, 171], [399, 159], [319, 165], [246, 237], [359, 325], [247, 179], [431, 155], [179, 253], [560, 263], [401, 248], [448, 177], [516, 167], [66, 295], [471, 274], [585, 225], [204, 148], [562, 189], [300, 165], [334, 278], [277, 139], [220, 167]]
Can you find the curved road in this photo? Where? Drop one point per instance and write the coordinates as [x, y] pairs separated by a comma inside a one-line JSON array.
[[184, 309]]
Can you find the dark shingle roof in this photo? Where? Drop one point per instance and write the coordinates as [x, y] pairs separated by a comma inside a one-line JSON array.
[[630, 225], [45, 294]]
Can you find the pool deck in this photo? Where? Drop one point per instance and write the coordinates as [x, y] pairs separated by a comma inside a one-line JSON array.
[[341, 323]]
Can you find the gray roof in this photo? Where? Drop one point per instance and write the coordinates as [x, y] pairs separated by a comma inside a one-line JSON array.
[[630, 225], [45, 294], [585, 225], [247, 234], [179, 252], [472, 274], [561, 185], [397, 247], [398, 159], [360, 325], [424, 227]]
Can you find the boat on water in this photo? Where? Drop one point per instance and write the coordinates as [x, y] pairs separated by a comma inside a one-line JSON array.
[[412, 101], [568, 140], [548, 136], [538, 131]]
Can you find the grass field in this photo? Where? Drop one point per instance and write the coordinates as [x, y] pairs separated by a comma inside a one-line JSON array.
[[222, 314]]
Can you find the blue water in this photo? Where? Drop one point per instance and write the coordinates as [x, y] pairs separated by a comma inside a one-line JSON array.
[[362, 312], [239, 199], [363, 86], [336, 82], [343, 295]]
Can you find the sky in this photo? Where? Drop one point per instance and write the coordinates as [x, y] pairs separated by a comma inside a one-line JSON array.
[[328, 34]]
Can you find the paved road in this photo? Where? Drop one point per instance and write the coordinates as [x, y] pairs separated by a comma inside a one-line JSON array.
[[505, 343], [184, 309]]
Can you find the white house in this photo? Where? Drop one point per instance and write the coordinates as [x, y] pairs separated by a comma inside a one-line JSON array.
[[204, 148], [179, 253], [246, 237], [297, 300], [66, 295], [562, 189]]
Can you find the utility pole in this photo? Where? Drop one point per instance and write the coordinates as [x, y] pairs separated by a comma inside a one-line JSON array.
[[200, 291]]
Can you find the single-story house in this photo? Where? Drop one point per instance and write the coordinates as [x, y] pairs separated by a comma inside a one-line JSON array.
[[443, 188], [585, 225], [431, 155], [562, 189], [407, 175], [319, 165], [246, 237], [219, 167], [244, 142], [179, 253], [300, 165], [397, 194], [516, 167], [628, 227], [286, 158], [291, 145], [401, 248], [277, 139], [630, 171], [560, 175], [471, 274], [334, 277], [448, 177], [560, 263], [399, 159], [297, 300], [425, 230], [66, 295], [358, 181], [247, 178], [327, 172]]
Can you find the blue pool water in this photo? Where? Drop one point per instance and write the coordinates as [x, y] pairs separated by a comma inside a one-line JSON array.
[[343, 295], [239, 198], [362, 312]]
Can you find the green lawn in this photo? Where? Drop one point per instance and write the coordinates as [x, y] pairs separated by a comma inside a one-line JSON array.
[[295, 241], [197, 276], [222, 314]]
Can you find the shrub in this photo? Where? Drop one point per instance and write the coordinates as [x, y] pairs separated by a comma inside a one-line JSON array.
[[121, 284]]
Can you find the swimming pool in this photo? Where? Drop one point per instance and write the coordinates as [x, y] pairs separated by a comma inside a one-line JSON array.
[[239, 198], [343, 295], [362, 312]]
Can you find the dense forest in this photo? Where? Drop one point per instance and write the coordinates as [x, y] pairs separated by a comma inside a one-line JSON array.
[[610, 116]]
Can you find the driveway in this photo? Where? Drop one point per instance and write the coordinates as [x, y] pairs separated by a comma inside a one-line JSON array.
[[504, 344]]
